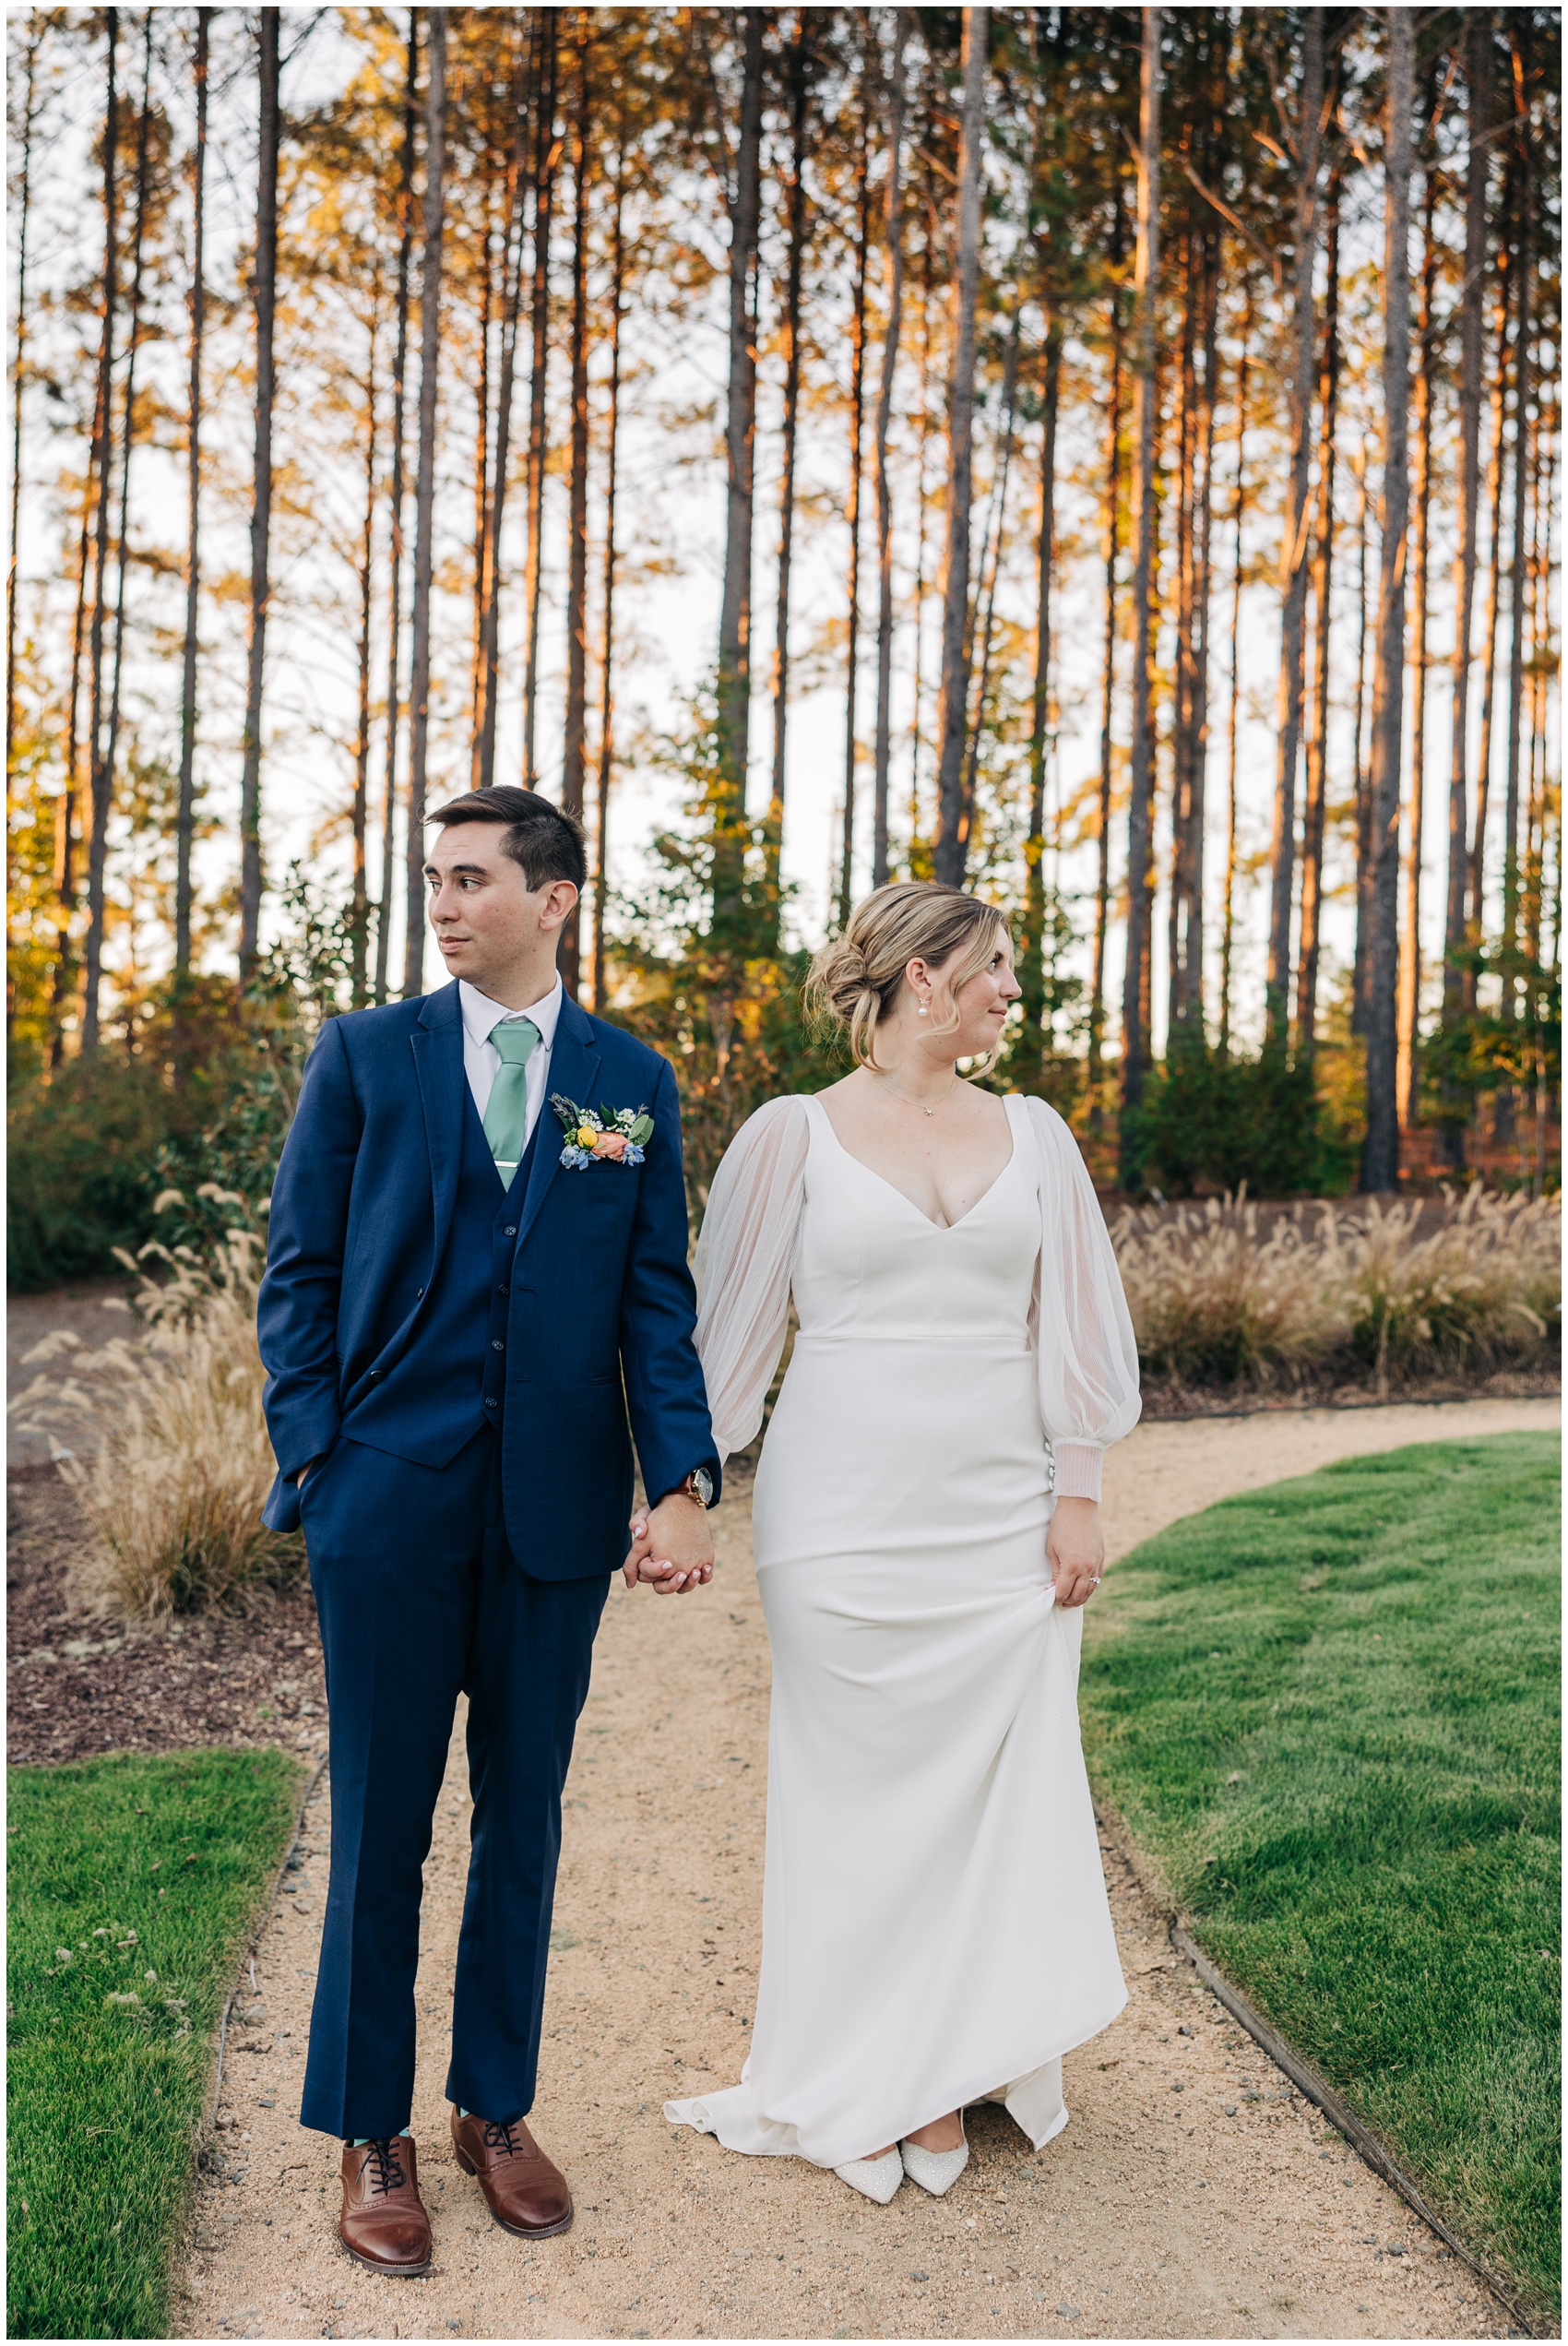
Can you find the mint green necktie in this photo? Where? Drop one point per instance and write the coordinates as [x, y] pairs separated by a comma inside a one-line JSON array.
[[506, 1117]]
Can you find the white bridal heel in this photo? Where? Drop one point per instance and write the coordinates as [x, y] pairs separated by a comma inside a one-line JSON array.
[[876, 2179], [934, 2171]]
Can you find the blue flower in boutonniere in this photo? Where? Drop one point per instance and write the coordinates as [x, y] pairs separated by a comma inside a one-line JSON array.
[[614, 1135]]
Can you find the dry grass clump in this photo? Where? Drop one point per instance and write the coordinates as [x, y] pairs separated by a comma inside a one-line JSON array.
[[1327, 1295], [175, 1464]]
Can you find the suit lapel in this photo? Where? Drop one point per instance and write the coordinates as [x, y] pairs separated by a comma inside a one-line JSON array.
[[438, 1044], [573, 1073]]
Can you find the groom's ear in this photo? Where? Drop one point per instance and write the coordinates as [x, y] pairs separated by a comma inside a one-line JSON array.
[[555, 906]]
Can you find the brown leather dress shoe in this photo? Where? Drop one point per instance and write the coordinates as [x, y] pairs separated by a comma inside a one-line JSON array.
[[384, 2223], [526, 2191]]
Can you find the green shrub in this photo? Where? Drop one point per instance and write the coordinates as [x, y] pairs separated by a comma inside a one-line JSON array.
[[1216, 1121]]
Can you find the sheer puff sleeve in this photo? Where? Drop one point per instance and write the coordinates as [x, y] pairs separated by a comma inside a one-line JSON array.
[[745, 1255], [1088, 1356]]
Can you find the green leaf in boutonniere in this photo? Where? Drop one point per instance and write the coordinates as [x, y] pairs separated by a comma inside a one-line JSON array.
[[642, 1130]]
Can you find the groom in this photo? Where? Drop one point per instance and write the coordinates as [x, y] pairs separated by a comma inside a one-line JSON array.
[[476, 1272]]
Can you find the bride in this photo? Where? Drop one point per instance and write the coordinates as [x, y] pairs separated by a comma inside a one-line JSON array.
[[935, 1927]]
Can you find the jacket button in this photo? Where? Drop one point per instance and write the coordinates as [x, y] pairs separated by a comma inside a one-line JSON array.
[[420, 1296], [489, 1405], [510, 1231], [503, 1289], [496, 1345], [375, 1376]]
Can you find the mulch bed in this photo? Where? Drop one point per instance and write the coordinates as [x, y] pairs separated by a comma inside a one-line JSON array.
[[1161, 1400], [81, 1684]]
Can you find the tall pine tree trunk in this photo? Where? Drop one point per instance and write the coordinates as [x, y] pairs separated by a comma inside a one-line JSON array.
[[1450, 1124], [1323, 608], [1293, 564], [512, 297], [1140, 812], [19, 376], [952, 837], [607, 672], [743, 200], [425, 486], [261, 509], [545, 152], [1380, 1153], [893, 243], [358, 914], [1477, 879], [1031, 954], [1227, 929], [99, 773], [185, 818], [857, 476], [1409, 1078], [799, 75], [573, 747], [1517, 593], [395, 556], [1113, 529]]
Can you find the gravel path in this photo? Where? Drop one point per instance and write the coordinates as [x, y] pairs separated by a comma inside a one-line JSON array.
[[1227, 2209]]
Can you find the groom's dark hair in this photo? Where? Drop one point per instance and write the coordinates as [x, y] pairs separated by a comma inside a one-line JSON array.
[[542, 837]]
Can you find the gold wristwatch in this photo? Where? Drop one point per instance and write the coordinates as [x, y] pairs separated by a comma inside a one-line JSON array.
[[699, 1486]]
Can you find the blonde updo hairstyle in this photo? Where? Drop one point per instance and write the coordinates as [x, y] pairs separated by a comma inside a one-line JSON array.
[[855, 979]]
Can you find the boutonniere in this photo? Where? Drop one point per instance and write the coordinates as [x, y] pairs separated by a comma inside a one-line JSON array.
[[620, 1136]]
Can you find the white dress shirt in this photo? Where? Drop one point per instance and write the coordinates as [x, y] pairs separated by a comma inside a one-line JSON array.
[[482, 1061]]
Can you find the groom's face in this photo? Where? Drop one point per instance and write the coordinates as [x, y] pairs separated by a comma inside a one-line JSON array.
[[489, 923]]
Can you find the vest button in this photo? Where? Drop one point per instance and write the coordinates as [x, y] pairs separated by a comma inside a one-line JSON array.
[[496, 1345], [510, 1231], [489, 1405], [420, 1296], [503, 1289]]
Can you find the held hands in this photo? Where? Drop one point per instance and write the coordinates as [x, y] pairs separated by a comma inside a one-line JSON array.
[[671, 1547], [1074, 1547]]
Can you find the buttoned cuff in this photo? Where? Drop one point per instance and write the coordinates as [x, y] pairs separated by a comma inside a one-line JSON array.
[[1079, 1470]]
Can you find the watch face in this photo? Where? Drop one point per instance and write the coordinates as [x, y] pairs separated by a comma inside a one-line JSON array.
[[702, 1486]]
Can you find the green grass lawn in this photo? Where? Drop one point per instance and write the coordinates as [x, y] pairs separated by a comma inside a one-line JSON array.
[[146, 1874], [1329, 1713]]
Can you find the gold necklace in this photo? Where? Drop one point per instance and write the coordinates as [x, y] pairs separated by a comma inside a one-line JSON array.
[[921, 1103]]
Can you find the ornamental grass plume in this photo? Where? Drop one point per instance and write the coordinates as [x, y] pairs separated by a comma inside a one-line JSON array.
[[1333, 1296], [175, 1484]]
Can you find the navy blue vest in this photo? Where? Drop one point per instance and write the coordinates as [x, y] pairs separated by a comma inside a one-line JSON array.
[[451, 1378]]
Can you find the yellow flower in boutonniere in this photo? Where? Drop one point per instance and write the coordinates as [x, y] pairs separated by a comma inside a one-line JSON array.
[[587, 1136]]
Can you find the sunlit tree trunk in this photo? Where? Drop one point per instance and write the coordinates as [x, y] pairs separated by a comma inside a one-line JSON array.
[[1495, 470], [425, 486], [1112, 533], [852, 516], [394, 556], [18, 377], [483, 774], [261, 510], [893, 236], [1380, 1153], [1140, 812], [607, 672], [1031, 949], [573, 747], [1450, 1124], [1518, 592], [1409, 1078], [482, 483], [799, 76], [1228, 928], [99, 773], [545, 153], [1293, 564], [743, 200], [952, 835], [1323, 609], [185, 818], [359, 913]]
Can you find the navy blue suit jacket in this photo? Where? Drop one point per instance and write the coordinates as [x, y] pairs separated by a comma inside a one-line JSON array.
[[600, 1309]]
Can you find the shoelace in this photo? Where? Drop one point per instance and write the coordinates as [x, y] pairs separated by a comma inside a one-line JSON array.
[[388, 2175], [499, 2138]]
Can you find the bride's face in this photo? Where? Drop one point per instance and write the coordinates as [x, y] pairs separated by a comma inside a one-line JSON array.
[[983, 1002]]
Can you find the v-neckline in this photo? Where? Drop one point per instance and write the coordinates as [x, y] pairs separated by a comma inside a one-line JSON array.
[[894, 1191]]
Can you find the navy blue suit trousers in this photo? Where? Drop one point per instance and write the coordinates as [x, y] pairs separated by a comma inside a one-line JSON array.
[[419, 1599]]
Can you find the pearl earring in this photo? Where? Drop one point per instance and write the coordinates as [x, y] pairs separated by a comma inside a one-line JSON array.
[[925, 1009]]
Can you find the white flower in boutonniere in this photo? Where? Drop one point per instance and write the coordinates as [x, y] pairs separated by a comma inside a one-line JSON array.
[[618, 1135]]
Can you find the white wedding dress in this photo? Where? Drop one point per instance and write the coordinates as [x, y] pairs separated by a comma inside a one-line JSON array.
[[935, 1926]]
